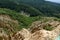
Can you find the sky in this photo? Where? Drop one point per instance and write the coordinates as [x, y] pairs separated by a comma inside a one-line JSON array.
[[57, 1]]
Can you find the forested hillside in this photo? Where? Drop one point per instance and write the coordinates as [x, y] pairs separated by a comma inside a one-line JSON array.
[[33, 7], [45, 7], [20, 7]]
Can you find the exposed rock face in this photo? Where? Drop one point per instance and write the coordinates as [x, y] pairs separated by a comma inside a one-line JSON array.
[[43, 35], [38, 35], [35, 32], [38, 25], [57, 30], [24, 34], [3, 35], [8, 23]]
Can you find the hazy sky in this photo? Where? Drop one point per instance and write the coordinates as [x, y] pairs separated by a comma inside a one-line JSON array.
[[57, 1]]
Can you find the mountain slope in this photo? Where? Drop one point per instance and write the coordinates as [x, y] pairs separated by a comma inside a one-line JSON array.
[[47, 8], [33, 7], [20, 7], [12, 21]]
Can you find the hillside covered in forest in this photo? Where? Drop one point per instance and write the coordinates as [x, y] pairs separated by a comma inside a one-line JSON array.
[[37, 7]]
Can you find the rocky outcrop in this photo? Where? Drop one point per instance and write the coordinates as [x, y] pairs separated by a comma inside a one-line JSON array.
[[24, 34], [8, 23], [39, 25], [38, 35], [3, 35], [37, 30], [43, 35]]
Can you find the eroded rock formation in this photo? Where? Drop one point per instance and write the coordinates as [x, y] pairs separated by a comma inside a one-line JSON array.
[[8, 23], [41, 34], [24, 34], [36, 31], [3, 35]]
